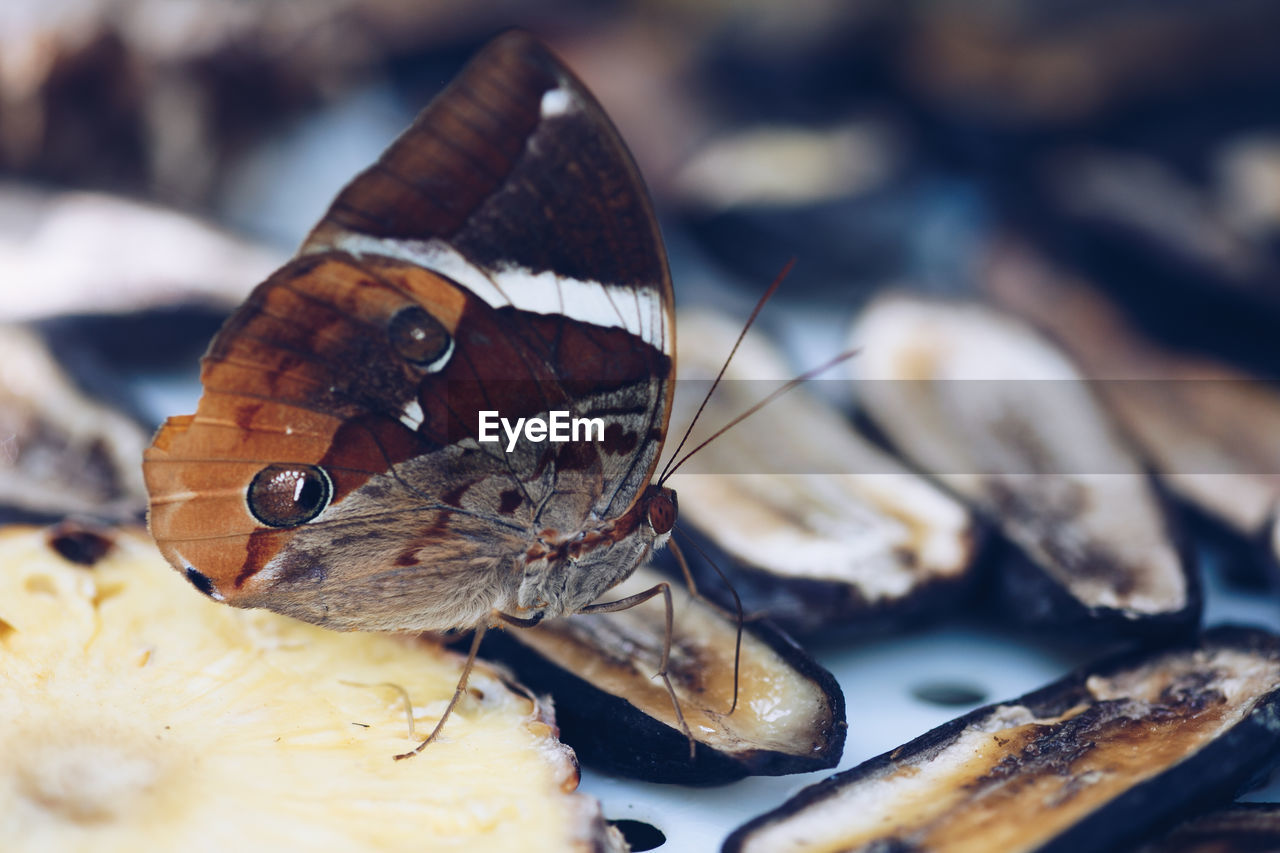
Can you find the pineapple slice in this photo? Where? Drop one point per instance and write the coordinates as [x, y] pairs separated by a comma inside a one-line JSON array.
[[139, 716]]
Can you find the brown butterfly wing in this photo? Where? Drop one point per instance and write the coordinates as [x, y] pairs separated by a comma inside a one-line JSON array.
[[508, 174], [474, 227], [515, 183]]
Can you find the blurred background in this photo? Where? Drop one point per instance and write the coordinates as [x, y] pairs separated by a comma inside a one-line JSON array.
[[1132, 144], [1110, 171]]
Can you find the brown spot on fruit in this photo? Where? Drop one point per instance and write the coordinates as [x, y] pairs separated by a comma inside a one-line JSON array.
[[79, 543]]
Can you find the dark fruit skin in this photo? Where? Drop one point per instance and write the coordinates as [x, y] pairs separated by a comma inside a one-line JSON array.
[[1238, 828]]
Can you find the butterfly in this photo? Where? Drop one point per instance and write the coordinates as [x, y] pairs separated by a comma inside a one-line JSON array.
[[502, 256]]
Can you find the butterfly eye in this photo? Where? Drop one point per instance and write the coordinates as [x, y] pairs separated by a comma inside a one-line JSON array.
[[289, 495], [420, 338], [662, 512]]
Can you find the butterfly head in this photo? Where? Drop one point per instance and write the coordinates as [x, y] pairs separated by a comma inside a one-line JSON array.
[[661, 509]]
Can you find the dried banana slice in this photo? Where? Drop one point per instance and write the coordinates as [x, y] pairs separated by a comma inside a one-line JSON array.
[[824, 528], [989, 408], [1095, 761], [61, 452], [790, 715], [1207, 427]]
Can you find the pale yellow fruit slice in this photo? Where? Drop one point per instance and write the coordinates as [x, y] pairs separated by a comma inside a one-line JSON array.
[[137, 715]]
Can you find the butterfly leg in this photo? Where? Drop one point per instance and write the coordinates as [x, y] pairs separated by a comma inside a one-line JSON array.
[[640, 598], [457, 693], [737, 615]]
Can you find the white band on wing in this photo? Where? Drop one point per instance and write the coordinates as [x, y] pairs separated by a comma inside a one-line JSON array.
[[638, 310]]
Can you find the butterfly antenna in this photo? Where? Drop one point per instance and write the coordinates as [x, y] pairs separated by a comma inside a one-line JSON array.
[[755, 312], [693, 590], [799, 380]]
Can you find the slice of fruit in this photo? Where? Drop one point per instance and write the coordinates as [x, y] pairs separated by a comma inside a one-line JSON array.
[[600, 668], [139, 716], [820, 527], [61, 452], [995, 412], [1206, 426], [1095, 761]]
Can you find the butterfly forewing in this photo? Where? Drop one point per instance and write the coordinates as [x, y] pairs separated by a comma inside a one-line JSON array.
[[514, 172]]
